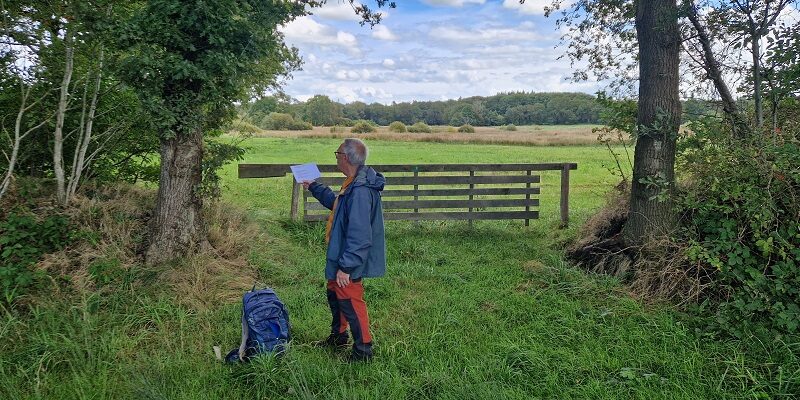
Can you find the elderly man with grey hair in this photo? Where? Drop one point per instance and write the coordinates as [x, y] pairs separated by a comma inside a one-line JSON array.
[[356, 245]]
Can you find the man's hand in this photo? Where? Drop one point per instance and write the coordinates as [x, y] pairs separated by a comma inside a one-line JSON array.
[[342, 279], [306, 184]]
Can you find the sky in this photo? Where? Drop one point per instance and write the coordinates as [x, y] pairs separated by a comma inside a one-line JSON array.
[[429, 50]]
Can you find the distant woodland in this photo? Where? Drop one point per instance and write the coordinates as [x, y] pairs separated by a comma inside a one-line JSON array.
[[519, 108]]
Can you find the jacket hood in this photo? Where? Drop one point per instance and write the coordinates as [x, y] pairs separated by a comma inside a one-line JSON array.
[[366, 176]]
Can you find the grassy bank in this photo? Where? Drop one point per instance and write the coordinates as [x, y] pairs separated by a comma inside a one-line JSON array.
[[488, 312]]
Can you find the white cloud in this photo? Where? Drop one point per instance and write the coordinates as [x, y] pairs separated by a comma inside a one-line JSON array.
[[383, 33], [452, 3], [351, 75], [348, 94], [375, 93], [388, 63], [789, 16], [522, 33], [336, 10], [305, 30], [531, 7], [456, 76]]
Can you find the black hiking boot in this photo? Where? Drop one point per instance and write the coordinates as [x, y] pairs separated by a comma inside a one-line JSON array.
[[333, 340], [360, 353]]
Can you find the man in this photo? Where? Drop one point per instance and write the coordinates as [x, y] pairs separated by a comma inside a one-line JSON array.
[[356, 245]]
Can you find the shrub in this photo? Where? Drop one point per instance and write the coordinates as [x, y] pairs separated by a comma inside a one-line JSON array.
[[284, 122], [397, 126], [301, 126], [342, 121], [741, 207], [362, 127], [420, 127], [23, 241], [466, 128], [509, 127]]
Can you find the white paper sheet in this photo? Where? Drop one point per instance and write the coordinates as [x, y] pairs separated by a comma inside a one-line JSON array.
[[305, 172]]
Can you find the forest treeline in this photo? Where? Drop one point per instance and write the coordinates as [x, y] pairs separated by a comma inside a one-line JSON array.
[[518, 108]]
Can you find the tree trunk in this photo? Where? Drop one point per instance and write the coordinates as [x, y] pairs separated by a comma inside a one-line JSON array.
[[658, 120], [58, 142], [711, 66], [759, 102], [79, 163], [176, 228], [19, 136]]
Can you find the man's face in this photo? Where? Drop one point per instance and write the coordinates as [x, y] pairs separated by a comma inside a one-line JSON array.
[[341, 159]]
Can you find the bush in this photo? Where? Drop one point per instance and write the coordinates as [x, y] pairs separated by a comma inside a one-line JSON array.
[[23, 241], [342, 121], [362, 127], [466, 128], [420, 127], [741, 208], [397, 126], [284, 122], [242, 126], [509, 127]]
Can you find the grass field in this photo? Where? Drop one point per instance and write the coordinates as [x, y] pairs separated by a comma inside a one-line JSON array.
[[526, 135], [491, 312]]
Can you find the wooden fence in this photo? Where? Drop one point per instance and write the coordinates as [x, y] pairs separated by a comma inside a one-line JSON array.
[[449, 191]]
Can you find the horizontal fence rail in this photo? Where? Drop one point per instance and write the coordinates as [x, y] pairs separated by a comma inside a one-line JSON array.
[[437, 191]]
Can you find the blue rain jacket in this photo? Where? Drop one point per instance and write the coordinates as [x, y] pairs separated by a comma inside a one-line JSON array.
[[357, 245]]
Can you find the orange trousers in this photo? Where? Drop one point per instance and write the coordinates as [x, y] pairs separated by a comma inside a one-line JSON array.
[[348, 308]]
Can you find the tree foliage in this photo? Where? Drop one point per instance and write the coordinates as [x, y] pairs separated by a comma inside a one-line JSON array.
[[519, 108]]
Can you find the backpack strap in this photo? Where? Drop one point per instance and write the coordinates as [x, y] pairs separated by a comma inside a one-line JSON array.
[[245, 334]]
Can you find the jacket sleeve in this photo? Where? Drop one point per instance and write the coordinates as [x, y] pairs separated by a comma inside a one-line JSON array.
[[358, 236], [322, 193]]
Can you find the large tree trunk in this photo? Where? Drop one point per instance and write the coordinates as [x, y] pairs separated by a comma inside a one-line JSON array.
[[658, 120], [177, 228]]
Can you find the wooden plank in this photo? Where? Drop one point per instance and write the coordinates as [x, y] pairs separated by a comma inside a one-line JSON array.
[[276, 170], [416, 188], [471, 196], [469, 167], [295, 199], [564, 197], [459, 192], [263, 170], [417, 204], [455, 215], [527, 197], [445, 180]]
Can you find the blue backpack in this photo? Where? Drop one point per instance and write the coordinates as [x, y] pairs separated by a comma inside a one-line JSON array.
[[265, 326]]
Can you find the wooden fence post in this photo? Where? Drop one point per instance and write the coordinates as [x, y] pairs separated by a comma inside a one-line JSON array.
[[565, 195], [471, 186], [295, 199]]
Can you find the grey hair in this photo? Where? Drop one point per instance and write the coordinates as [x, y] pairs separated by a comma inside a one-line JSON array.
[[356, 151]]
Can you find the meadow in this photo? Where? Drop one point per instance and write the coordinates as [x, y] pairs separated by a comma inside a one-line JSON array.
[[524, 135], [491, 311]]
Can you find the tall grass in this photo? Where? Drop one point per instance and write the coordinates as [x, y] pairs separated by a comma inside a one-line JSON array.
[[530, 135], [488, 312]]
